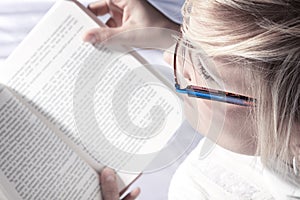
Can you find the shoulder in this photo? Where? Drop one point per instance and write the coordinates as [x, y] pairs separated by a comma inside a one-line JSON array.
[[220, 175]]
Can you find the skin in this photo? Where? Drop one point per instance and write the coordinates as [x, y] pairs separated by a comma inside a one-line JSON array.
[[237, 132], [110, 189], [125, 16]]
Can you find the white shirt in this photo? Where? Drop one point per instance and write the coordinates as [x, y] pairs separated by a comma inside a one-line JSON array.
[[226, 175]]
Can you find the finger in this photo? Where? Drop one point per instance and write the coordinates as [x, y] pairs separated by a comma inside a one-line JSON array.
[[99, 7], [109, 185], [111, 23], [133, 194], [118, 18], [98, 35]]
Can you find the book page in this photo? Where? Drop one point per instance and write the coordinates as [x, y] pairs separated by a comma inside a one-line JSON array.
[[104, 101], [35, 163]]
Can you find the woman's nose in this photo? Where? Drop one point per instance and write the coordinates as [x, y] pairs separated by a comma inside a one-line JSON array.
[[186, 72], [169, 55]]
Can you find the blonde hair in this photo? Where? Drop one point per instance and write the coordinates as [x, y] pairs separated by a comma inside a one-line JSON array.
[[263, 36]]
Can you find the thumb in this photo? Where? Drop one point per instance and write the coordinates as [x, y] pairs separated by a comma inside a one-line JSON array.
[[150, 37], [109, 184], [97, 35]]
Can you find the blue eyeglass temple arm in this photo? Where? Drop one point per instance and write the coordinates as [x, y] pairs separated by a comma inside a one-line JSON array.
[[213, 96]]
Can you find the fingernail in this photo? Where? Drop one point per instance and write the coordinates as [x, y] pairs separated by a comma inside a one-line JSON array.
[[109, 175], [90, 38], [110, 178], [136, 191], [91, 5]]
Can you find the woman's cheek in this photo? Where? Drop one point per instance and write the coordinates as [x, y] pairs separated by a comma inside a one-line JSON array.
[[198, 114], [168, 56]]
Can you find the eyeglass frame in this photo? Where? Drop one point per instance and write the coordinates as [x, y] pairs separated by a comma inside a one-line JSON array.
[[210, 94]]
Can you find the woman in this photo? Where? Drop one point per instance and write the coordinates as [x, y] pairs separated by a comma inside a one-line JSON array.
[[254, 48]]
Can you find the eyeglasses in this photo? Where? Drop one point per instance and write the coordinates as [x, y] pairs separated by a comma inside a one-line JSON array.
[[206, 93]]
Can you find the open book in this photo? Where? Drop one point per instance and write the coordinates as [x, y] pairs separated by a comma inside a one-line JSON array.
[[69, 108]]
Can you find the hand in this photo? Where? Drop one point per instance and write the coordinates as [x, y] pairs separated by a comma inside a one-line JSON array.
[[110, 190], [126, 16]]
